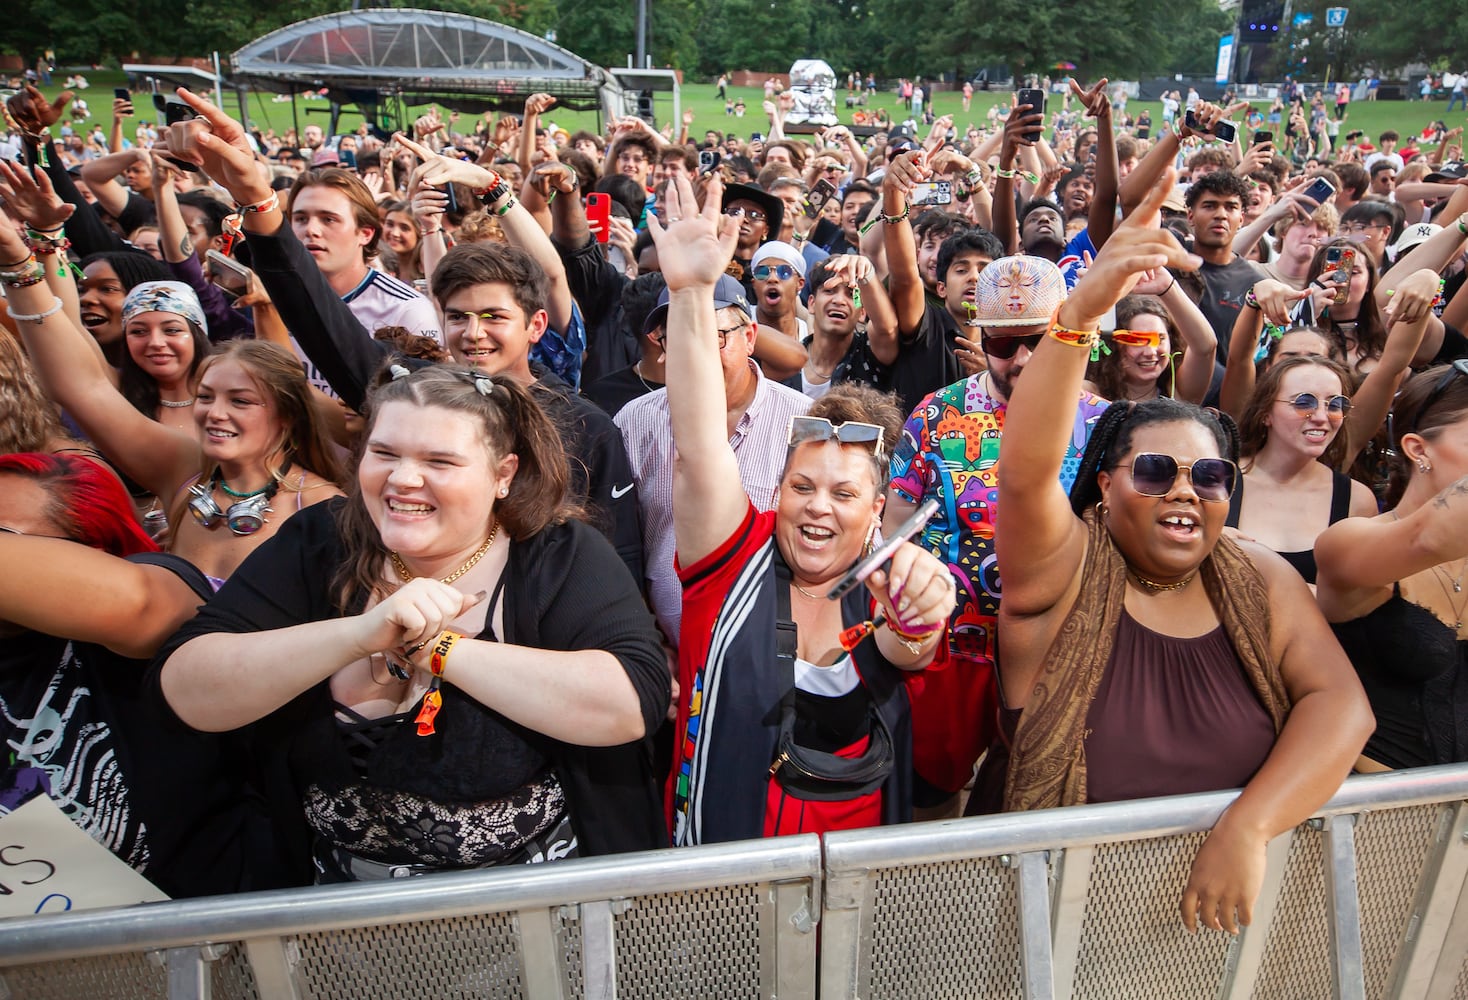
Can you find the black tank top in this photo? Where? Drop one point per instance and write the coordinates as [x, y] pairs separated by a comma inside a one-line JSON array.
[[1340, 509], [1415, 672]]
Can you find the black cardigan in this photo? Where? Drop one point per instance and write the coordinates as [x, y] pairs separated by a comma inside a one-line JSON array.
[[565, 590]]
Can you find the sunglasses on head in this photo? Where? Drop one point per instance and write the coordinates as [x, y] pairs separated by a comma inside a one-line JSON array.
[[1213, 479], [1137, 338], [1005, 348], [804, 429], [782, 271], [1306, 403]]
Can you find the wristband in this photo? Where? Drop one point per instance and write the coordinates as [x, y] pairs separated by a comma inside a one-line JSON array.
[[260, 207], [438, 656], [1251, 301], [28, 272], [37, 317], [974, 178], [1072, 338], [509, 204], [1462, 226], [1001, 172]]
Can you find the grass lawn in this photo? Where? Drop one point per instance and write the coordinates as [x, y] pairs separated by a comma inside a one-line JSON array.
[[1407, 117]]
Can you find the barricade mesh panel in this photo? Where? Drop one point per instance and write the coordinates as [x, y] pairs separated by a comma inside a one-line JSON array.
[[124, 976], [1461, 992], [105, 977], [943, 930], [1391, 849], [567, 925], [1297, 955], [474, 955], [1133, 942], [702, 945]]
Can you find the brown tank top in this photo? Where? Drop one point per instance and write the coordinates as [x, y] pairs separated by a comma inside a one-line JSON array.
[[1172, 716]]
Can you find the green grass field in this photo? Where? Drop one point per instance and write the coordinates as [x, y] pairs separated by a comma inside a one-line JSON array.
[[1372, 117]]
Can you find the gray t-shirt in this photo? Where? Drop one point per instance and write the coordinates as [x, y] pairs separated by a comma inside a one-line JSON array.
[[1224, 286]]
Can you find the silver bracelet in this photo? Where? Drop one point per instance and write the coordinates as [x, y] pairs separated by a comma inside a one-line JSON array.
[[21, 318]]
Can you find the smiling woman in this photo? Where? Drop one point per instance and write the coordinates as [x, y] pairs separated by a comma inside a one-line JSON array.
[[483, 675], [1129, 624]]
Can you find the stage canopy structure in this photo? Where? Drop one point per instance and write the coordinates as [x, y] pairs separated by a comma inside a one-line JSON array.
[[388, 60]]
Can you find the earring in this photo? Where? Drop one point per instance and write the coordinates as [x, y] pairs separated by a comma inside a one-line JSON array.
[[1423, 467], [1101, 510], [504, 492], [871, 542]]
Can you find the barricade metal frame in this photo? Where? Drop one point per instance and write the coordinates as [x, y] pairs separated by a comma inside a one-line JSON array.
[[1367, 899]]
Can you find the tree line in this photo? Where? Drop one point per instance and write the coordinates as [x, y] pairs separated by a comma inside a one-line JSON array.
[[891, 38]]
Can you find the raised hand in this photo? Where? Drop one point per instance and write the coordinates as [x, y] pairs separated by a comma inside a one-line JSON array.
[[694, 245], [439, 170], [1096, 101], [908, 169], [538, 104], [552, 178], [224, 152], [1137, 246], [30, 198]]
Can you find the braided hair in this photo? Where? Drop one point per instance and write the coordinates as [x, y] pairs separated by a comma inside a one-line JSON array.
[[1112, 438]]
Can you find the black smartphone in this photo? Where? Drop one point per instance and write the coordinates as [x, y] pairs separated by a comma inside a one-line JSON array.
[[1263, 135], [1224, 131], [822, 192], [348, 158], [882, 553], [1318, 191], [122, 94], [756, 137], [174, 113], [709, 160], [1035, 98], [453, 200]]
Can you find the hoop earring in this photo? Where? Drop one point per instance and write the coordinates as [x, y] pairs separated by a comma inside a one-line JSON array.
[[1101, 510]]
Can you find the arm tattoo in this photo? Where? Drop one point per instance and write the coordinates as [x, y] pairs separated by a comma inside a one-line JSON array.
[[186, 246], [1444, 499]]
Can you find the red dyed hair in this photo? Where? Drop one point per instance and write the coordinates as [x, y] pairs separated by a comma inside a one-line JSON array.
[[87, 502]]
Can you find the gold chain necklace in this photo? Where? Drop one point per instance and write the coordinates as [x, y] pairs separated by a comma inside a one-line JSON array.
[[813, 597], [405, 574], [1157, 588]]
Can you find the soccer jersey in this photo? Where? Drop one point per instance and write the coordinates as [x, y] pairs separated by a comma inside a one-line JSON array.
[[381, 300]]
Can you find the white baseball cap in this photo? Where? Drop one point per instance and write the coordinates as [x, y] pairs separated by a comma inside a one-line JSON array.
[[1413, 235]]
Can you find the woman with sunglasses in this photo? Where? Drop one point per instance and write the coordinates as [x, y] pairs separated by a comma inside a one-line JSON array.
[[1136, 360], [1393, 585], [78, 628], [257, 452], [1130, 625], [1293, 448], [446, 670], [773, 674]]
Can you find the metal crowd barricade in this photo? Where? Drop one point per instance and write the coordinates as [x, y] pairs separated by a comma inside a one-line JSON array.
[[1369, 899], [736, 920]]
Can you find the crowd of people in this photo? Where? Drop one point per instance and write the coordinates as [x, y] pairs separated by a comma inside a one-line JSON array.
[[382, 506]]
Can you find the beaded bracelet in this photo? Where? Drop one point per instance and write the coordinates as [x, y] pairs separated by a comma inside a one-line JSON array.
[[28, 272], [1250, 299], [37, 317], [892, 220]]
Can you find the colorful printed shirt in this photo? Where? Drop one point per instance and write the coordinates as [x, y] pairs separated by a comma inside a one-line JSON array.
[[950, 450]]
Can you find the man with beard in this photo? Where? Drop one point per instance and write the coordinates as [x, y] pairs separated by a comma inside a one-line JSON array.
[[950, 450]]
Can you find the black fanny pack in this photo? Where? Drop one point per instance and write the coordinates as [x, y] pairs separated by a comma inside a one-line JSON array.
[[818, 775]]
